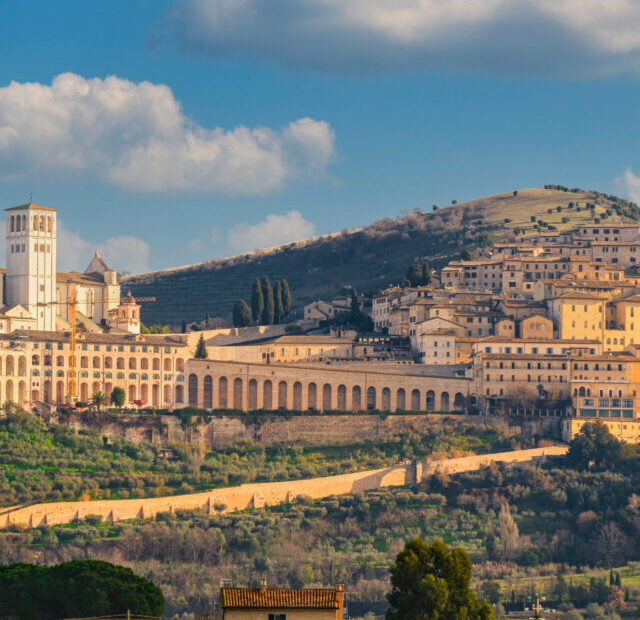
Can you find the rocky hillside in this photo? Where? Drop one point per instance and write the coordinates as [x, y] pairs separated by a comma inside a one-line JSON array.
[[373, 257]]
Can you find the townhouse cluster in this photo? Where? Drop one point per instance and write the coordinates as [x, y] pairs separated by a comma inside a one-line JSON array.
[[550, 323]]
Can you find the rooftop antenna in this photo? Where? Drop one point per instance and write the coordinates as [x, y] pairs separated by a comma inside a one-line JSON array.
[[30, 196]]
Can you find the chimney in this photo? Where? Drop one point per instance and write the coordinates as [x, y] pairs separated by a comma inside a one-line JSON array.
[[263, 584]]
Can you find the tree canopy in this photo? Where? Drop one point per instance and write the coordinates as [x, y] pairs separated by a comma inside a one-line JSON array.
[[75, 589], [118, 397], [431, 582], [267, 294], [257, 300], [241, 314], [594, 447]]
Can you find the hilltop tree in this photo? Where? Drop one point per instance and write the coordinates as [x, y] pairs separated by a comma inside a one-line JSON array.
[[432, 582], [74, 589], [241, 314], [267, 295], [183, 329], [595, 446], [118, 397], [278, 306], [201, 349], [426, 272], [286, 297], [257, 300], [414, 274]]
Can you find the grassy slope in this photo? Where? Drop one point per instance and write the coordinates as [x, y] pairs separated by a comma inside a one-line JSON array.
[[368, 258]]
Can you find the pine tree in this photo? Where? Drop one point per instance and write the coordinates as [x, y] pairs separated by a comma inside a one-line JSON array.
[[267, 294], [286, 297], [241, 314], [278, 306], [257, 300], [201, 349]]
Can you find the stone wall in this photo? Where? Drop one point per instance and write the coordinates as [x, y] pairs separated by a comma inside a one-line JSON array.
[[258, 495], [313, 430]]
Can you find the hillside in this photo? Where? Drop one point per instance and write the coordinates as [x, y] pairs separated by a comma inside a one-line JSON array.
[[369, 258]]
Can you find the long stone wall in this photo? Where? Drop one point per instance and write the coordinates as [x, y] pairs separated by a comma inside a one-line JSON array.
[[258, 495], [314, 430]]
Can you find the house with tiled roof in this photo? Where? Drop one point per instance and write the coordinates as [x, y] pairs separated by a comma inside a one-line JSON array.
[[282, 603]]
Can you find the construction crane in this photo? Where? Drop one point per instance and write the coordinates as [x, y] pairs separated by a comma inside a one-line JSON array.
[[72, 302]]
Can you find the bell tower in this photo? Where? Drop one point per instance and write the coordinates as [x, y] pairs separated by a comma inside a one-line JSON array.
[[31, 262]]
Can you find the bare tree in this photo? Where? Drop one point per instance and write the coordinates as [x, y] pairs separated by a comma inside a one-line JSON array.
[[610, 543]]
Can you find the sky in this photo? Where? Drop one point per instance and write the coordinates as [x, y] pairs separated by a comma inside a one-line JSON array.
[[172, 132]]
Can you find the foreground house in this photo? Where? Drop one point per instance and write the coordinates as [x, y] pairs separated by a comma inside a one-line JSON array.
[[282, 604]]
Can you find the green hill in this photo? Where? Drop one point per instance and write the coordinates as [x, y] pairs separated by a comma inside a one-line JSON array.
[[369, 258]]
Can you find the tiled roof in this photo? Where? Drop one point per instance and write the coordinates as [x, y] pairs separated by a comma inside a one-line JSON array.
[[271, 598]]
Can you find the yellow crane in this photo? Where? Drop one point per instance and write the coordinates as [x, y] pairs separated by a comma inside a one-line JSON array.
[[72, 302]]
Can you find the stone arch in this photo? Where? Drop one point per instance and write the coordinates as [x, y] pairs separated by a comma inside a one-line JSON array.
[[282, 395], [267, 395], [144, 364], [167, 364], [22, 393], [342, 397], [47, 391], [371, 398], [10, 366], [22, 366], [415, 400], [458, 401], [401, 400], [326, 397], [84, 392], [132, 393], [431, 400], [155, 395], [10, 390], [207, 401], [581, 391], [59, 392], [0, 365], [35, 360], [237, 393], [444, 401], [356, 398], [180, 365], [49, 227], [95, 388], [166, 394], [133, 363], [193, 390], [13, 223], [24, 222], [42, 223], [252, 395], [312, 396], [144, 393], [120, 363], [84, 362], [222, 392], [156, 363], [386, 399], [297, 396], [179, 393], [95, 363], [108, 362]]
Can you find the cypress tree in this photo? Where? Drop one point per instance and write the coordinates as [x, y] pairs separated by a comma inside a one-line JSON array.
[[201, 349], [241, 314], [286, 297], [184, 327], [426, 272], [278, 307], [267, 294], [257, 300]]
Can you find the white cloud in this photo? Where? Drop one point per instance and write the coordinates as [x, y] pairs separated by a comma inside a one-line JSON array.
[[125, 252], [273, 230], [545, 37], [629, 184], [135, 136]]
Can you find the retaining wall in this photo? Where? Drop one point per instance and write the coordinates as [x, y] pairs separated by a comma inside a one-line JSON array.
[[258, 495]]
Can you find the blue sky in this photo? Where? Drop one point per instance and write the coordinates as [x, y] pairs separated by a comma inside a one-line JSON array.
[[348, 115]]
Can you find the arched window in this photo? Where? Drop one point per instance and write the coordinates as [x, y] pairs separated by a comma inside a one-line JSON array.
[[24, 222], [13, 223], [312, 396], [208, 392], [132, 363], [17, 224], [49, 227], [193, 390]]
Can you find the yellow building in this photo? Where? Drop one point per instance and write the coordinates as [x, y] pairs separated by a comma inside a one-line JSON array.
[[579, 316]]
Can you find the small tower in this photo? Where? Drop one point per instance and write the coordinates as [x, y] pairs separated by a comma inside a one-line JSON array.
[[126, 317], [31, 262]]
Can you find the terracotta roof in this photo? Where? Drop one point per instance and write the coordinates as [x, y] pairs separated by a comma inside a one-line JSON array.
[[31, 205], [271, 598]]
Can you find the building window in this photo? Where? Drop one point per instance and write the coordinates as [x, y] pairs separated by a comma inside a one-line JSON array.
[[277, 616]]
